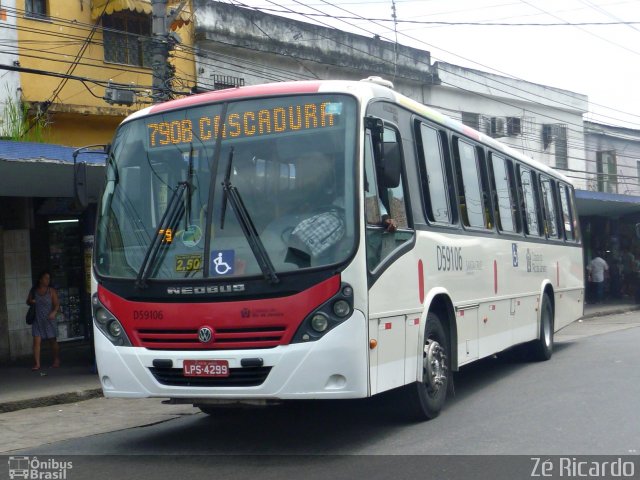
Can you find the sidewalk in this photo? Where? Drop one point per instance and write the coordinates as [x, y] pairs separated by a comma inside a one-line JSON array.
[[610, 307], [74, 380], [77, 380]]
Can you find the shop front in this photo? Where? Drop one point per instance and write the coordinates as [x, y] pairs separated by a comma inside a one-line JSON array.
[[608, 223], [44, 228], [63, 237]]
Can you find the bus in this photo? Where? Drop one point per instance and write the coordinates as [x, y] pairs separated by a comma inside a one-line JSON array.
[[322, 240]]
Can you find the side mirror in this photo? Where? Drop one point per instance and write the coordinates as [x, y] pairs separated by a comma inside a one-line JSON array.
[[390, 168], [80, 188], [376, 126], [387, 154]]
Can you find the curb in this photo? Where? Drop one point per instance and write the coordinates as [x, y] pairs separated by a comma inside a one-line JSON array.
[[616, 311], [49, 400]]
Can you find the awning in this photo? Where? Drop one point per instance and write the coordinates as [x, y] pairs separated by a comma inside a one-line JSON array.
[[140, 6], [45, 170], [603, 204]]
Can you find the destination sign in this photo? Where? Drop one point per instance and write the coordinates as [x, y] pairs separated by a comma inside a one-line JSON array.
[[251, 123]]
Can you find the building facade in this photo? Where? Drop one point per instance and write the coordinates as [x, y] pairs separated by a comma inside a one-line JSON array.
[[96, 42], [541, 122], [69, 74], [613, 159], [611, 201], [237, 46], [9, 80]]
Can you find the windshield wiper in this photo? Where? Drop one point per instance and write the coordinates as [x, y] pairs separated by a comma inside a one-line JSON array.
[[232, 195], [171, 217]]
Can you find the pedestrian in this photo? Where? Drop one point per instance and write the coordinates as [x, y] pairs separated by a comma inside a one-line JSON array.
[[629, 273], [597, 268], [615, 276], [45, 299]]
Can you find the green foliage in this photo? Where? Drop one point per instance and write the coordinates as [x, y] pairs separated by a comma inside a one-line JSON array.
[[17, 124]]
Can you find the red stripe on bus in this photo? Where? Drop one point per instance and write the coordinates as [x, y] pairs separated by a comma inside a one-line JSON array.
[[387, 326], [281, 88], [420, 281]]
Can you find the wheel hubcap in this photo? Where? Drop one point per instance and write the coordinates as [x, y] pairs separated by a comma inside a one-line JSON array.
[[434, 365], [546, 325]]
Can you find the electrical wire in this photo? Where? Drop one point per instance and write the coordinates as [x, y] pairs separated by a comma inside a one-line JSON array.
[[283, 71], [75, 24], [305, 15], [635, 52], [579, 126], [36, 71]]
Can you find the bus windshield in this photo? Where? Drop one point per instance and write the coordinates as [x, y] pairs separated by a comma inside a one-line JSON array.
[[289, 160]]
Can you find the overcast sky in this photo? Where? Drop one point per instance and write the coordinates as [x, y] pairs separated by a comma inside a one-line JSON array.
[[601, 61]]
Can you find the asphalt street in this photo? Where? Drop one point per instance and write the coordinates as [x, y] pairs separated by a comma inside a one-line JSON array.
[[583, 401]]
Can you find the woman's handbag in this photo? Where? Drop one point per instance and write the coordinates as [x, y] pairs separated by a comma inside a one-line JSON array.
[[31, 314]]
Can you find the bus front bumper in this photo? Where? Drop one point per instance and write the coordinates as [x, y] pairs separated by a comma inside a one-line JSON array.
[[335, 366]]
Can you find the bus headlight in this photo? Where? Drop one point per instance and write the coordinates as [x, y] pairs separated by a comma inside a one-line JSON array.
[[108, 324], [341, 308], [327, 316], [319, 322], [115, 328], [101, 315]]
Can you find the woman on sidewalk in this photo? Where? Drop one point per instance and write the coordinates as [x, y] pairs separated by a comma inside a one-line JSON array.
[[45, 299]]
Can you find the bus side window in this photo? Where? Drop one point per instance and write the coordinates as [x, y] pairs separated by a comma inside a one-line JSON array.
[[574, 214], [530, 211], [549, 207], [489, 216], [504, 194], [471, 201], [394, 196], [514, 195], [381, 200], [372, 203], [567, 221], [434, 176]]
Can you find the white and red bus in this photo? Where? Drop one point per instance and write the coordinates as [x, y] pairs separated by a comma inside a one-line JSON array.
[[243, 250]]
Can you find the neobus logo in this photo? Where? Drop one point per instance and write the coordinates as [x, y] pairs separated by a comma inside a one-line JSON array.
[[206, 289]]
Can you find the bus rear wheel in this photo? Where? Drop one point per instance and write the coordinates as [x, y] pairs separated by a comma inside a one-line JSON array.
[[542, 348], [426, 397]]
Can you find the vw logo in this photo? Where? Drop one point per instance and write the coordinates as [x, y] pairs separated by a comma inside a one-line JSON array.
[[205, 335]]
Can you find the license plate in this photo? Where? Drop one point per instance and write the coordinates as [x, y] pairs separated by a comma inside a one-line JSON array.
[[205, 368]]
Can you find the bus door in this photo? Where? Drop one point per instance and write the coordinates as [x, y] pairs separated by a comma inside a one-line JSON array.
[[394, 358]]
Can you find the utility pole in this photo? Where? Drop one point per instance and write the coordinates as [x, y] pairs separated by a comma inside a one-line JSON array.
[[162, 43], [160, 49]]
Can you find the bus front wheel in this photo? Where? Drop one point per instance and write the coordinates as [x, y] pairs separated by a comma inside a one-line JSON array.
[[427, 396]]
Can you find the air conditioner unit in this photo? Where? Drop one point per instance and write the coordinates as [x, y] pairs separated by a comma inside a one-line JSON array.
[[514, 126], [547, 136], [498, 128]]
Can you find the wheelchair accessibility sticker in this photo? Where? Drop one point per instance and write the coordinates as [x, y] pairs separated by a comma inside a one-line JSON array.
[[222, 262]]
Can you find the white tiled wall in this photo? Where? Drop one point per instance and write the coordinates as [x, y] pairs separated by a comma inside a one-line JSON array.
[[17, 262]]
